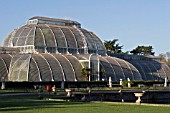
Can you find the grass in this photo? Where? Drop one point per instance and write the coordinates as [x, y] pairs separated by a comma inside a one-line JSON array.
[[31, 104]]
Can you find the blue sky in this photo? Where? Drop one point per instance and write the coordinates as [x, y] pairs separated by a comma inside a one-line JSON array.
[[133, 22]]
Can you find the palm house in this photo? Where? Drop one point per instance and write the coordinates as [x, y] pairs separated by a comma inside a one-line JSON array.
[[50, 50]]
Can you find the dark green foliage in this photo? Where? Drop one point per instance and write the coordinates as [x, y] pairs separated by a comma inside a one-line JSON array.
[[143, 50], [102, 73], [112, 46], [85, 72]]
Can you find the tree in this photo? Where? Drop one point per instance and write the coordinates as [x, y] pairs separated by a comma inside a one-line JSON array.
[[112, 46], [143, 50], [102, 73], [165, 58], [85, 72]]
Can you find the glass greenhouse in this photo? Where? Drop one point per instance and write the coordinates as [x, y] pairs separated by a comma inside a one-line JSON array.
[[49, 49]]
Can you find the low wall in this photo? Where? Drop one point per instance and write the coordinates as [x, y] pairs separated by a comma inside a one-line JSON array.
[[156, 96]]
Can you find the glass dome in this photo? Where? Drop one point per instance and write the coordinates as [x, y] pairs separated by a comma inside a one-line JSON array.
[[50, 35]]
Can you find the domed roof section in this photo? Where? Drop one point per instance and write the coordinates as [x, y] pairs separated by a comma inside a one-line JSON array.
[[150, 67], [42, 34], [5, 60], [58, 67], [113, 67], [44, 68]]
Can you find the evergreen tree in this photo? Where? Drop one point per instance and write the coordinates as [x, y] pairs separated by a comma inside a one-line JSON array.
[[112, 46], [143, 50]]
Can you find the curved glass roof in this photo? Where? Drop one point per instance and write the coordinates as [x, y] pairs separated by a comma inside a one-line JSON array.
[[45, 67], [152, 70], [43, 36], [120, 69], [115, 68], [5, 60], [58, 67], [150, 67]]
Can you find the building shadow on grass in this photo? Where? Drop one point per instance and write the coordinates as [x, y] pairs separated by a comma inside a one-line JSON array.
[[21, 103]]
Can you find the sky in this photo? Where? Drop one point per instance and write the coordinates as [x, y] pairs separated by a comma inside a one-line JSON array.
[[132, 22]]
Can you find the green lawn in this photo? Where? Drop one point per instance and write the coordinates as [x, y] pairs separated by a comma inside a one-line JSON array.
[[31, 104]]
